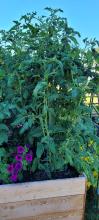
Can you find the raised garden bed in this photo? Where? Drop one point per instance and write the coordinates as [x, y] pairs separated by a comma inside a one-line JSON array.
[[44, 200], [46, 129]]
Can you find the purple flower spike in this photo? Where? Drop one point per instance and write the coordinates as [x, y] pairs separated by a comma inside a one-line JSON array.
[[18, 157], [20, 149], [28, 146], [18, 166], [10, 168], [29, 157], [14, 178]]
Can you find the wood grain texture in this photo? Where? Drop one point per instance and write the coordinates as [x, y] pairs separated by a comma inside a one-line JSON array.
[[42, 207], [42, 189], [58, 216], [84, 201]]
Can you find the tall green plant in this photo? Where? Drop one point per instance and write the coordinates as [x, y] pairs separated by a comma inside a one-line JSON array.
[[44, 78]]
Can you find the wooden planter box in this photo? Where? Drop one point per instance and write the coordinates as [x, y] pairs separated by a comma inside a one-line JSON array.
[[43, 200]]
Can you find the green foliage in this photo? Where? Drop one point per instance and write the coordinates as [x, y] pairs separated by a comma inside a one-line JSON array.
[[44, 77], [3, 166]]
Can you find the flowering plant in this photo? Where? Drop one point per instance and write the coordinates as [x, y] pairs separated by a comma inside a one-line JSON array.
[[44, 78], [21, 162]]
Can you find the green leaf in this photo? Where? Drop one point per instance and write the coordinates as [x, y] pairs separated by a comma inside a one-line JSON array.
[[74, 40], [3, 133], [1, 116], [36, 132], [20, 119], [25, 94], [53, 97], [56, 129], [40, 87], [3, 137], [2, 74], [35, 164], [3, 127], [59, 164], [75, 92], [26, 126], [69, 156], [33, 29], [2, 153], [40, 150], [97, 68], [50, 144]]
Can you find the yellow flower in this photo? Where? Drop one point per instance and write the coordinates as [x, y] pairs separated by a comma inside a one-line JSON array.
[[81, 148], [95, 174], [90, 142], [87, 159], [88, 184]]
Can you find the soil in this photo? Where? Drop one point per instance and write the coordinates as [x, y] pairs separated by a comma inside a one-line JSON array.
[[69, 172]]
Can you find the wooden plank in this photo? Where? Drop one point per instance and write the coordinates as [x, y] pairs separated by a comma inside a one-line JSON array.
[[84, 201], [41, 207], [42, 189], [58, 216]]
